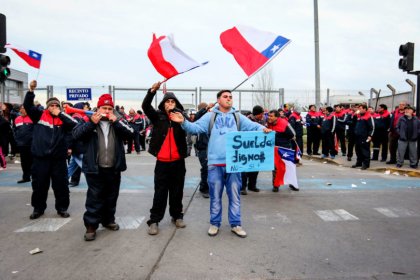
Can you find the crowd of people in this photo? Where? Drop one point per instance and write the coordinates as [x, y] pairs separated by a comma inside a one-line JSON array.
[[60, 141]]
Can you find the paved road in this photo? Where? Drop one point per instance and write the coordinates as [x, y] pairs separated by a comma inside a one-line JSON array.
[[343, 224]]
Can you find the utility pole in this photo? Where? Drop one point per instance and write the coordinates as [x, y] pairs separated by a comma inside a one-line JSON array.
[[317, 74]]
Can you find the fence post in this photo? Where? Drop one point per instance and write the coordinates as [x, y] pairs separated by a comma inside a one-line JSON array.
[[281, 97], [393, 91], [328, 98], [50, 91]]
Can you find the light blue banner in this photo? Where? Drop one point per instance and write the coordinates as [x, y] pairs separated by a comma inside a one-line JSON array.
[[248, 151]]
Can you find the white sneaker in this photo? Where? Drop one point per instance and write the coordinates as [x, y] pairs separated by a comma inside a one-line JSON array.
[[239, 231], [213, 230]]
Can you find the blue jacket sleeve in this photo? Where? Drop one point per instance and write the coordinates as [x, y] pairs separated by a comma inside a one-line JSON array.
[[199, 126]]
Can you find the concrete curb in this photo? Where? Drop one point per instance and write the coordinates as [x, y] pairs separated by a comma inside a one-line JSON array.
[[393, 170]]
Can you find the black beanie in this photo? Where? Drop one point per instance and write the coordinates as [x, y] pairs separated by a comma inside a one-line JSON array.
[[257, 110]]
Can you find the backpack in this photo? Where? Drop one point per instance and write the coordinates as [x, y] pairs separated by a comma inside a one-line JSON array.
[[213, 119]]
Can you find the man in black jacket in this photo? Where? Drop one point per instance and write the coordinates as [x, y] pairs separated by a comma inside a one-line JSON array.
[[363, 130], [103, 162], [49, 150], [168, 144], [201, 146], [24, 129], [408, 127]]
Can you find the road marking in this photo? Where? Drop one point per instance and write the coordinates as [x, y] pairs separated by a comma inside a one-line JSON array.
[[395, 212], [283, 218], [335, 215], [129, 222], [44, 225]]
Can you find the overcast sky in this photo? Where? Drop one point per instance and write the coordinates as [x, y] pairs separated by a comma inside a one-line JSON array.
[[105, 42]]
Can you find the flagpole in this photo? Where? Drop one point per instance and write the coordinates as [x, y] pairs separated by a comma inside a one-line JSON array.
[[240, 84], [39, 70]]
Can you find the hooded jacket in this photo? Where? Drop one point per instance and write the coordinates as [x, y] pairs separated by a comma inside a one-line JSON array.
[[162, 125], [224, 123]]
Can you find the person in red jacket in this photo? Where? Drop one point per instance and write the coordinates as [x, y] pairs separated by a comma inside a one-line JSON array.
[[393, 134], [168, 144]]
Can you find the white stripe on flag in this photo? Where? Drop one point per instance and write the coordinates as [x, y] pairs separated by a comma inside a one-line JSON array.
[[181, 61], [258, 39], [290, 176]]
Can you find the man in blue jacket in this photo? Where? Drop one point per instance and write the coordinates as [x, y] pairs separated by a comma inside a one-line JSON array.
[[225, 121]]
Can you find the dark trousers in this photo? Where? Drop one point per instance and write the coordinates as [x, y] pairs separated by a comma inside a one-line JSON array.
[[351, 144], [314, 138], [299, 142], [169, 178], [362, 151], [202, 157], [249, 179], [380, 139], [26, 161], [135, 138], [341, 138], [75, 178], [101, 197], [393, 146], [142, 141], [328, 144], [43, 170]]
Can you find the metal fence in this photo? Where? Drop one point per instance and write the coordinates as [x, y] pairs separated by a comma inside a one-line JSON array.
[[244, 99]]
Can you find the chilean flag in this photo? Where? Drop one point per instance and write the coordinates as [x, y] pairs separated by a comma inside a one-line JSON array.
[[31, 57], [252, 48], [168, 59], [285, 168]]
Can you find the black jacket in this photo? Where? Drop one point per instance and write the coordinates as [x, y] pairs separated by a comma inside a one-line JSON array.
[[24, 129], [203, 138], [328, 124], [403, 129], [162, 123], [365, 126], [49, 138], [88, 133]]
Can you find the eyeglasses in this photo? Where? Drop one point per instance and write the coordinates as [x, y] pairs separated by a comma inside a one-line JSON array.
[[227, 96]]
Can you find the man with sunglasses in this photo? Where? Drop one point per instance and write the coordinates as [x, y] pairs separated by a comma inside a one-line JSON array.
[[168, 144], [224, 122], [49, 150]]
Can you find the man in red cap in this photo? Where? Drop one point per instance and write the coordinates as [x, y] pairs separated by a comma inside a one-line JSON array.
[[103, 162]]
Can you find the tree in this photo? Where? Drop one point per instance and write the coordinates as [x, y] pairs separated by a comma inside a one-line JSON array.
[[265, 96]]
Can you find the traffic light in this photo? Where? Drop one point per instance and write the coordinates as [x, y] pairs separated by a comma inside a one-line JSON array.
[[407, 61], [4, 70]]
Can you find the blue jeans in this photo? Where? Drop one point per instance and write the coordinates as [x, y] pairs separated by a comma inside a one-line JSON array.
[[217, 180], [75, 161]]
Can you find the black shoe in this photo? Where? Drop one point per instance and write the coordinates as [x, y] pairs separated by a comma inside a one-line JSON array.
[[398, 165], [275, 189], [244, 192], [374, 159], [205, 194], [73, 184], [293, 188], [36, 215], [348, 158], [254, 189], [309, 154], [413, 166], [23, 181], [316, 154], [356, 165], [63, 214], [364, 167], [391, 162], [383, 160]]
